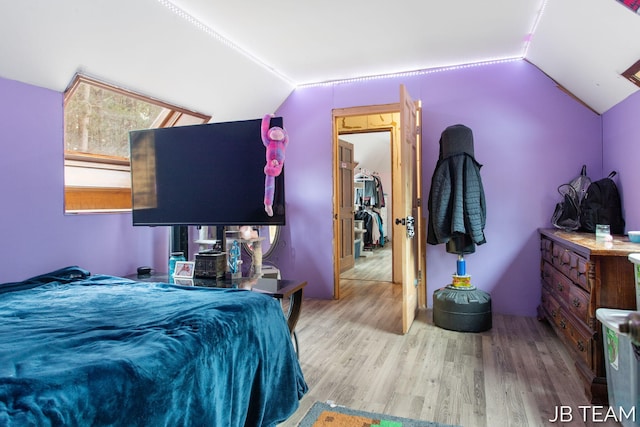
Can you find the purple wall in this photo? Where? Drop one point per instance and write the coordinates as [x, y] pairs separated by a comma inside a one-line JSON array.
[[36, 236], [621, 138], [529, 136]]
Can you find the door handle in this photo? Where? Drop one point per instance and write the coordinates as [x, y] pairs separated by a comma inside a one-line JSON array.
[[410, 223]]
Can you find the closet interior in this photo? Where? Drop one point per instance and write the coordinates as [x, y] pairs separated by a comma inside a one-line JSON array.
[[372, 188], [370, 212]]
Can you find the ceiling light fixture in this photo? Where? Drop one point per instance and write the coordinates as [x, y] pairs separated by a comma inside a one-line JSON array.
[[211, 32]]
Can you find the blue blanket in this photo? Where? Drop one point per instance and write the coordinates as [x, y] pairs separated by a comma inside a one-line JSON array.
[[99, 350]]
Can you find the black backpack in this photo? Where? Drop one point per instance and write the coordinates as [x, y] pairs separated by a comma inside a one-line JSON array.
[[602, 205]]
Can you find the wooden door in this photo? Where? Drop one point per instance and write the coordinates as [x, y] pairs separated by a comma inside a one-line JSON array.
[[408, 271], [345, 216], [407, 220]]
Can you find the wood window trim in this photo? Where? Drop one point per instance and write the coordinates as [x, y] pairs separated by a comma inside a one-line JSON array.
[[633, 73], [80, 78], [97, 200], [79, 199], [96, 158]]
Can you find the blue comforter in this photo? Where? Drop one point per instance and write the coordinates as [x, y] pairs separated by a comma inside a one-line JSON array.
[[83, 350]]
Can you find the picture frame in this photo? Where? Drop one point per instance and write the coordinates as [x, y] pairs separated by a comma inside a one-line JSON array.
[[183, 282], [184, 270]]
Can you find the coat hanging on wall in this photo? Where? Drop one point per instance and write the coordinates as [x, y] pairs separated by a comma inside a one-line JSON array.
[[457, 210]]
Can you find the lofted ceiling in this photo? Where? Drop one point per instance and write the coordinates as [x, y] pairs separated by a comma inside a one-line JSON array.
[[236, 60], [371, 151]]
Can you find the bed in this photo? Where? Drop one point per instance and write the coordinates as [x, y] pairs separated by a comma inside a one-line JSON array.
[[79, 349]]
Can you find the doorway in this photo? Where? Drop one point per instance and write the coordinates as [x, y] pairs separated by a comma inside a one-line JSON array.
[[360, 120], [402, 121], [372, 200]]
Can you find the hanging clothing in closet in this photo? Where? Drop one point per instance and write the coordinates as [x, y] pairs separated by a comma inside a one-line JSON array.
[[359, 183], [372, 194], [369, 196], [372, 222], [373, 190]]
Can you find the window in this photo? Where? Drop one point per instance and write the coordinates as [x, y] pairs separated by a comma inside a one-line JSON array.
[[97, 121], [633, 73]]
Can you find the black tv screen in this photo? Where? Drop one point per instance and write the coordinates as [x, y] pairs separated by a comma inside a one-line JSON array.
[[211, 174]]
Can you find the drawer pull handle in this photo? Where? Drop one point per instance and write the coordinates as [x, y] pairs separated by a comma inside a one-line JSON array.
[[553, 313], [576, 302], [563, 325], [560, 287], [580, 345]]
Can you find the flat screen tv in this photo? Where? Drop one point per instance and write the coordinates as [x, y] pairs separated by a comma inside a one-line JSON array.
[[211, 174]]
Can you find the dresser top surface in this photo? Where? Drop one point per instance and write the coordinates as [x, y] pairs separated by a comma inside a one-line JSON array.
[[586, 242]]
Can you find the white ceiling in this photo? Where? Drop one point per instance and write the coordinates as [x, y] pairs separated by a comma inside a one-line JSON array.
[[371, 151], [171, 50], [585, 45], [333, 39]]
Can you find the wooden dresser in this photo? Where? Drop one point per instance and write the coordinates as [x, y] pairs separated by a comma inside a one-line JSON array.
[[580, 275]]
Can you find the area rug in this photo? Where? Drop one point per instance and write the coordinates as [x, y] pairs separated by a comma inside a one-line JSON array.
[[325, 415]]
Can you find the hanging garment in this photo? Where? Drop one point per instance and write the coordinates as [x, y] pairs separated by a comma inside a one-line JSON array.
[[370, 192], [380, 234], [379, 192], [359, 196], [374, 192], [372, 223], [375, 228], [457, 209], [367, 225]]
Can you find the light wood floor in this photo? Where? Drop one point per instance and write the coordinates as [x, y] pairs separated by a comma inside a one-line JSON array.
[[351, 353], [376, 265]]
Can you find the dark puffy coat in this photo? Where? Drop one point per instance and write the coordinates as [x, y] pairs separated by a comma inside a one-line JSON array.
[[456, 204]]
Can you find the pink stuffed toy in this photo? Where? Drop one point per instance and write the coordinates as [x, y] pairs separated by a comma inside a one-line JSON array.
[[275, 140]]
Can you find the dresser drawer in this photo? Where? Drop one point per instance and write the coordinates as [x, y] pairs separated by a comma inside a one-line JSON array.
[[579, 339], [578, 271], [547, 273], [561, 258], [578, 303], [561, 286], [545, 249], [550, 304]]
